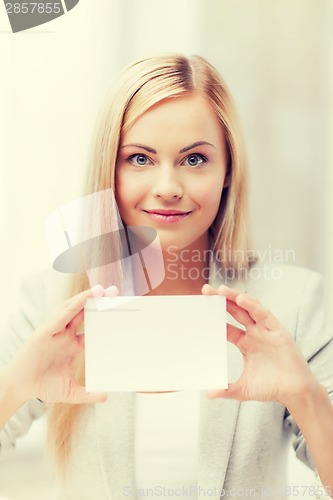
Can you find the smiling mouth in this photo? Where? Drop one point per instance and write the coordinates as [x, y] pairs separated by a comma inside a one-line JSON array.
[[167, 216]]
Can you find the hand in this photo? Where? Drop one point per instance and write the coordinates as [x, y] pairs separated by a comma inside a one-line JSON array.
[[44, 367], [274, 368]]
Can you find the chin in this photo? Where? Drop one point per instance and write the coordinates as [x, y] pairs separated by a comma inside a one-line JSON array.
[[180, 243]]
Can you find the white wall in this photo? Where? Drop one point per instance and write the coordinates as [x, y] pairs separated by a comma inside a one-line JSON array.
[[54, 79], [328, 181]]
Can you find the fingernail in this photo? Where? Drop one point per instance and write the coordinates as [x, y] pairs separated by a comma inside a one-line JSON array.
[[111, 291], [98, 291], [210, 394]]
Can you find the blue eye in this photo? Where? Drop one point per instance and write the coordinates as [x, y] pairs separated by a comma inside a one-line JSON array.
[[139, 160], [195, 160]]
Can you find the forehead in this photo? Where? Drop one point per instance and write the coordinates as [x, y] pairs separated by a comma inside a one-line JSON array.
[[180, 119]]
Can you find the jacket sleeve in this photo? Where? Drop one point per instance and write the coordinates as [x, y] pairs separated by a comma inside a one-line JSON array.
[[315, 341], [12, 336]]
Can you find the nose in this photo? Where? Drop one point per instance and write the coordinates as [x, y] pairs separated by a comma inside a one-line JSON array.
[[167, 184]]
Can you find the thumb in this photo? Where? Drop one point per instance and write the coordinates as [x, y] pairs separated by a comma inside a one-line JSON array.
[[233, 392], [80, 396]]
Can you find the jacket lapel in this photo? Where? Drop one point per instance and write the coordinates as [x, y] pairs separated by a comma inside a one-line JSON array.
[[218, 420], [114, 421]]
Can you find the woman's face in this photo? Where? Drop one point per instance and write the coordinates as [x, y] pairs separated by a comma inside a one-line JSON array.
[[171, 169]]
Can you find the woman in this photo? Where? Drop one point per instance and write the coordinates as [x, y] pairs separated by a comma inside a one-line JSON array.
[[169, 146]]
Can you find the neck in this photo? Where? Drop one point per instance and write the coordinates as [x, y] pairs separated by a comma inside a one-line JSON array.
[[186, 270]]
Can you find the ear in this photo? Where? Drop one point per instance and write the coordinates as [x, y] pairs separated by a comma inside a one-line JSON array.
[[227, 179]]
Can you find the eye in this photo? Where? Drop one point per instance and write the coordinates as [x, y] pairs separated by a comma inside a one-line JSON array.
[[195, 160], [139, 160]]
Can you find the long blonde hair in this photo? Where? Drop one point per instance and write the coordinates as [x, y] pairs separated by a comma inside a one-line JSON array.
[[139, 87]]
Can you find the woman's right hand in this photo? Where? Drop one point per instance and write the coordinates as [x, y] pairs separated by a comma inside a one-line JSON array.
[[44, 367]]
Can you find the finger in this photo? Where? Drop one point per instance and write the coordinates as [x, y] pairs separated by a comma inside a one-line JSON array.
[[76, 322], [258, 312], [239, 314], [208, 290], [234, 391], [96, 290], [217, 393], [112, 291], [229, 293], [80, 396], [80, 340], [73, 307], [235, 335]]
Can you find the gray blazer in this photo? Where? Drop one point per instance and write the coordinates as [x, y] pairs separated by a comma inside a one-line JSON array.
[[241, 445]]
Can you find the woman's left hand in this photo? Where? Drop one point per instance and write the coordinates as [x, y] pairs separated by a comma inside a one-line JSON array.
[[274, 368]]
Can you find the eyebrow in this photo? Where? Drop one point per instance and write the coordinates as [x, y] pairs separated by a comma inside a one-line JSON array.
[[184, 150]]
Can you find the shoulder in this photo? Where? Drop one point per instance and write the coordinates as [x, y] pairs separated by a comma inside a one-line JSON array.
[[282, 286], [269, 278], [293, 294], [43, 293]]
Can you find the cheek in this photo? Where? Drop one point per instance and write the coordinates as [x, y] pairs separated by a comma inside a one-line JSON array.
[[209, 197], [126, 191]]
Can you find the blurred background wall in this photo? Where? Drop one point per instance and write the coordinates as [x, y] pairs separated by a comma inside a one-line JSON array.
[[276, 57]]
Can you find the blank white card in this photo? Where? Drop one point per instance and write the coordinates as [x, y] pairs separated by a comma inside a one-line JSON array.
[[156, 343]]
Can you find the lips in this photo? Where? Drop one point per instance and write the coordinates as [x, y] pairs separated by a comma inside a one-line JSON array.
[[167, 216]]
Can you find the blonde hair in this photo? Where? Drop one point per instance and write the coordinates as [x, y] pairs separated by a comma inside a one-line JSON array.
[[139, 87]]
